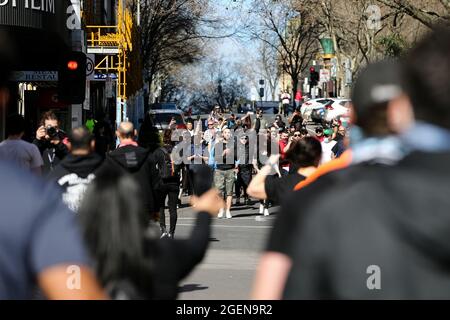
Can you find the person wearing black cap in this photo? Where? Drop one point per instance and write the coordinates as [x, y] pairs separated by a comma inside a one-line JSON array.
[[376, 117], [388, 233]]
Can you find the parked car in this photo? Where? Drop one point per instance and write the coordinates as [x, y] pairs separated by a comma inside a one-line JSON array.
[[268, 107], [310, 105], [161, 118], [317, 115], [338, 108]]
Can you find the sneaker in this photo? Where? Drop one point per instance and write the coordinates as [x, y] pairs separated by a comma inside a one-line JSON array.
[[170, 235], [266, 212], [261, 208], [220, 215], [229, 214], [164, 235]]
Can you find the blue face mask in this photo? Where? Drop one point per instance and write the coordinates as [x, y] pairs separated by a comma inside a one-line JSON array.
[[356, 135]]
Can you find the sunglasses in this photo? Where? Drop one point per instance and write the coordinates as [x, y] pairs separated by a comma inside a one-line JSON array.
[[297, 135]]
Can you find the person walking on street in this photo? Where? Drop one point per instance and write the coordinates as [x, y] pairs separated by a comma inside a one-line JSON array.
[[139, 163], [245, 168], [169, 183], [224, 174], [286, 103], [78, 169]]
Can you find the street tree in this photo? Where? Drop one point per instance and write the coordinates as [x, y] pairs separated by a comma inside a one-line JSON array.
[[291, 29]]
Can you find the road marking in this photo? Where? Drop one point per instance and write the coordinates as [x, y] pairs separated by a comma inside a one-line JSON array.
[[236, 218], [227, 226]]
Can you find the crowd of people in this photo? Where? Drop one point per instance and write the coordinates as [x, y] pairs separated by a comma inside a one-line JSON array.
[[373, 194]]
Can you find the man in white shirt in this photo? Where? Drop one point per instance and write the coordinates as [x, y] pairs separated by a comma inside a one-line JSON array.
[[285, 101], [17, 151], [327, 146]]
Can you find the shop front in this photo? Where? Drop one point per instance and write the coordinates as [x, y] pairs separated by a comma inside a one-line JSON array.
[[40, 32]]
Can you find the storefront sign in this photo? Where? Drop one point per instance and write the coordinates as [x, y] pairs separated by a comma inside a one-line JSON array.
[[48, 15], [35, 76], [39, 5]]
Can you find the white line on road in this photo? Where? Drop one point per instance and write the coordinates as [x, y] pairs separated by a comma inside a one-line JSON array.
[[237, 218], [227, 226]]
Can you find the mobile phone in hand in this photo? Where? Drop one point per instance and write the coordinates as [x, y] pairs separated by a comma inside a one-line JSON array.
[[203, 177]]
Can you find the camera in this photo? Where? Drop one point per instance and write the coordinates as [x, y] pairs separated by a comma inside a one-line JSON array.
[[52, 132]]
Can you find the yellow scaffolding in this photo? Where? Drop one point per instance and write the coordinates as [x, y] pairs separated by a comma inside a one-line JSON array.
[[116, 43]]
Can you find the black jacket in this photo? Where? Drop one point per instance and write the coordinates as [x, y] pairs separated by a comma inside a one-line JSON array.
[[51, 154], [395, 218], [177, 258], [159, 157], [74, 174], [139, 163]]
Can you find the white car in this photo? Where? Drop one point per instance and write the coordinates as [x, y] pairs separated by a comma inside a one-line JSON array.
[[308, 106], [338, 108]]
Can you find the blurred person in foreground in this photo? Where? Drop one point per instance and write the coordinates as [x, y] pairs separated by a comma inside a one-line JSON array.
[[131, 261], [78, 169], [392, 242], [17, 151], [378, 118], [40, 244], [304, 154]]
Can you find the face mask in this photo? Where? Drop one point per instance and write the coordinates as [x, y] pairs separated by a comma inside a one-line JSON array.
[[355, 134]]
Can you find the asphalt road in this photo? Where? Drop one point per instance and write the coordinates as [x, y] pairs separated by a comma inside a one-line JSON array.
[[228, 269]]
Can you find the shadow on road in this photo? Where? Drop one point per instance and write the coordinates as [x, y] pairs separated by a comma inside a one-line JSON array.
[[243, 215], [191, 287]]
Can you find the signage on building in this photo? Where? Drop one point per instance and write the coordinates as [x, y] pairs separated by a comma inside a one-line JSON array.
[[37, 5], [35, 76], [104, 76], [324, 75], [39, 14], [90, 67]]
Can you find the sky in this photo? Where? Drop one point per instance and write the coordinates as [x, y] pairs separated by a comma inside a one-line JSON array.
[[238, 48], [234, 14]]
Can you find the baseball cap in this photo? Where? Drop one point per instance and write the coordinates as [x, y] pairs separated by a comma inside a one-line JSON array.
[[328, 132], [378, 83]]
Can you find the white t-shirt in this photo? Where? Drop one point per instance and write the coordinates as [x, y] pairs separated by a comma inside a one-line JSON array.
[[21, 153], [327, 150], [286, 98]]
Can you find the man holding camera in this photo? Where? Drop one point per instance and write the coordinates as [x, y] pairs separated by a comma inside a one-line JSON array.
[[50, 141], [259, 123]]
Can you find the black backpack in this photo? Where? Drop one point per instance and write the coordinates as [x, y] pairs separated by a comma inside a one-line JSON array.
[[167, 169]]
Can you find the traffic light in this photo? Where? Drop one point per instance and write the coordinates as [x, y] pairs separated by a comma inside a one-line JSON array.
[[261, 92], [313, 77], [72, 77]]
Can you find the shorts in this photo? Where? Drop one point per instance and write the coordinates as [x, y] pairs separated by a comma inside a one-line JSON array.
[[224, 181]]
